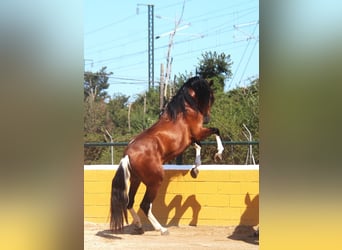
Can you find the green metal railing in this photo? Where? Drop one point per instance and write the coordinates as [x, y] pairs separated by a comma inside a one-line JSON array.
[[179, 159], [106, 144]]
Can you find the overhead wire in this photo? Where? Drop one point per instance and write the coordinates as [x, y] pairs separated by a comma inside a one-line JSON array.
[[218, 28], [242, 57], [249, 58], [212, 31], [109, 25], [203, 17]]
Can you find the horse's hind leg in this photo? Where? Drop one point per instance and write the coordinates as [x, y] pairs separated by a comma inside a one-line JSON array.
[[131, 194], [146, 206]]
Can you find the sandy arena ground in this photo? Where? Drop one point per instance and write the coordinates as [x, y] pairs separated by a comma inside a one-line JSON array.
[[98, 236]]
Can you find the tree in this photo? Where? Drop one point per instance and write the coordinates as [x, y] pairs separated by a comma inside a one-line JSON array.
[[95, 84], [96, 119], [145, 110], [95, 108], [216, 67], [117, 109], [94, 123]]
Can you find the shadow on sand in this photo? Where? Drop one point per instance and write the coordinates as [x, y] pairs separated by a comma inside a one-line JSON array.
[[246, 231]]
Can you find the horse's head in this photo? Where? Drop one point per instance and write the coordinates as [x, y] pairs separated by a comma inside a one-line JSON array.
[[201, 92], [197, 94]]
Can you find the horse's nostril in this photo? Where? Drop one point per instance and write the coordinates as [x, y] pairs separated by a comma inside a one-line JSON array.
[[206, 119]]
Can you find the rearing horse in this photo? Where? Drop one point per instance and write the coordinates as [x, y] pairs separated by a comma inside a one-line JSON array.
[[180, 125]]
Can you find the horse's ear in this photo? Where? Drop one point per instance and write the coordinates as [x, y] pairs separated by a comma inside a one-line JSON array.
[[211, 82], [247, 199]]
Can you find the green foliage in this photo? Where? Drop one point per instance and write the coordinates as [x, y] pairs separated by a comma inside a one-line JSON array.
[[92, 154], [96, 118], [145, 110], [95, 84], [230, 112], [215, 66], [117, 110]]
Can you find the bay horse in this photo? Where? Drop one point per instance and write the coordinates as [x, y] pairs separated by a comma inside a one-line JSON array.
[[179, 126]]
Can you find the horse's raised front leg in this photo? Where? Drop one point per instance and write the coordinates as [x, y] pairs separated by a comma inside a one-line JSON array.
[[202, 134], [205, 132], [220, 148], [197, 146]]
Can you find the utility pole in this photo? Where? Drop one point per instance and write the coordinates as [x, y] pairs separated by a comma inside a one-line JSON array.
[[170, 45], [150, 28], [129, 117], [144, 121], [150, 46], [161, 88]]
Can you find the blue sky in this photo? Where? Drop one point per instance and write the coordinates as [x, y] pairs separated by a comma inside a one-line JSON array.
[[116, 36]]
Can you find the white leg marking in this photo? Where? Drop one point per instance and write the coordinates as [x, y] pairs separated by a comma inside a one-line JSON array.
[[155, 223], [220, 147], [198, 154]]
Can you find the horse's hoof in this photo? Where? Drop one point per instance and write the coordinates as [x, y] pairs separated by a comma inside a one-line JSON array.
[[218, 157], [165, 232], [194, 172]]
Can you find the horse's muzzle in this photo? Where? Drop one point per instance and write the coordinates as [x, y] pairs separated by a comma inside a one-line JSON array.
[[206, 119]]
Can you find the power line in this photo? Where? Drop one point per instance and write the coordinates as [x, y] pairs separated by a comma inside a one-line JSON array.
[[181, 53], [126, 78], [192, 19], [130, 66], [243, 55], [250, 56], [158, 48], [109, 25], [114, 23]]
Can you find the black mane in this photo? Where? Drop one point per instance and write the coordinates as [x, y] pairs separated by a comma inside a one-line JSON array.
[[199, 103]]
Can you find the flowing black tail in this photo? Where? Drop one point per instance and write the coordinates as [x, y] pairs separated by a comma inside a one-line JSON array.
[[119, 198]]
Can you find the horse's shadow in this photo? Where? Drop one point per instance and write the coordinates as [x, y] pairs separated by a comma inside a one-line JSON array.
[[161, 210], [245, 233], [249, 219], [179, 203], [128, 229], [108, 234]]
